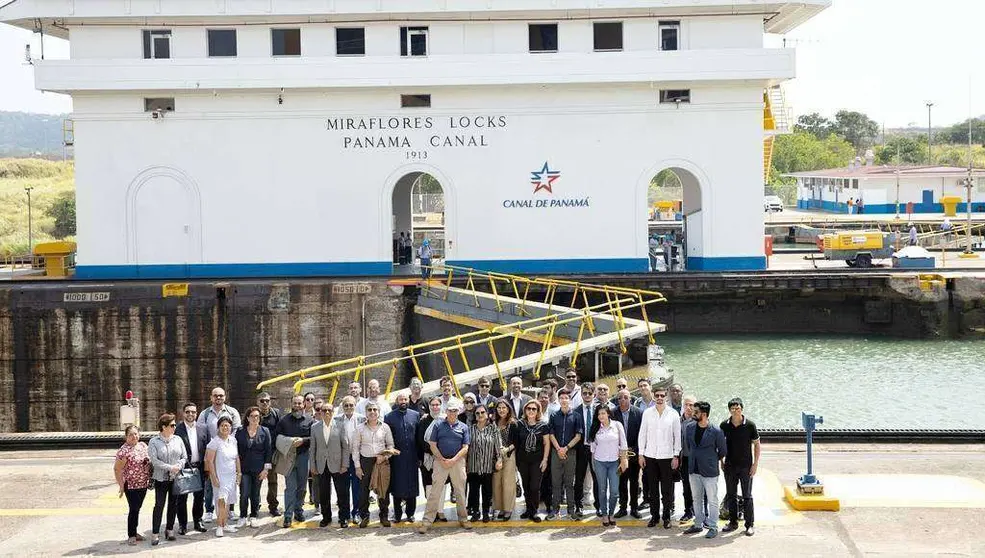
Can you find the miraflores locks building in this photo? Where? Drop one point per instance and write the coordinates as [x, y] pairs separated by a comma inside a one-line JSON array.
[[238, 138]]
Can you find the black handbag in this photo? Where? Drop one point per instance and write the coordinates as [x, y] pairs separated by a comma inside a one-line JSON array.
[[187, 481]]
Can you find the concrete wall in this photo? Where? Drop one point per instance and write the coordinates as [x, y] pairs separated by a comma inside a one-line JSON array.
[[65, 366]]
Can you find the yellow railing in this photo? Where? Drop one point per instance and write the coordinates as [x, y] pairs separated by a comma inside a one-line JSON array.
[[618, 300]]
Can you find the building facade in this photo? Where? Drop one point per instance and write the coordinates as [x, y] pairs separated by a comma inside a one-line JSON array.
[[889, 190], [235, 138]]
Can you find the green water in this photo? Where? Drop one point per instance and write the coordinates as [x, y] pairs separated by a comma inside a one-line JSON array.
[[853, 382]]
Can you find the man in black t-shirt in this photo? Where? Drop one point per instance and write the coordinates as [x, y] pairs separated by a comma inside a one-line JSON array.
[[741, 462]]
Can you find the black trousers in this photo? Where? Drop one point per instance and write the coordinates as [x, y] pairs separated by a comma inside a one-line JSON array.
[[404, 507], [198, 507], [630, 479], [135, 499], [546, 489], [479, 485], [367, 464], [688, 496], [162, 494], [341, 482], [661, 479], [734, 478], [583, 462], [530, 477]]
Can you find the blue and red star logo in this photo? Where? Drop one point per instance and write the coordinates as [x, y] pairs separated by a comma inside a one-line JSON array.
[[544, 178]]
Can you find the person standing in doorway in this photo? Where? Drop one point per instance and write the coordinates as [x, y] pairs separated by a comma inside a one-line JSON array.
[[706, 448], [741, 463], [425, 253]]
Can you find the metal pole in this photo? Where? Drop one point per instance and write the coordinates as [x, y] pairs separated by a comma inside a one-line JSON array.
[[30, 227], [930, 138], [968, 185]]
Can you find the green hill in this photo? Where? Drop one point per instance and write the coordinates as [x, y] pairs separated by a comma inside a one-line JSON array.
[[25, 134]]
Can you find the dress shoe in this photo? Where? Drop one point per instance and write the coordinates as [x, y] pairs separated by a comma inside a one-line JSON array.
[[636, 514], [274, 512], [324, 523], [182, 530], [485, 517], [730, 527], [384, 522], [652, 522], [598, 512], [474, 516], [286, 524], [344, 524], [750, 531], [686, 517], [441, 518], [200, 528], [536, 519], [667, 524], [363, 523], [693, 530], [644, 505], [551, 515], [621, 513]]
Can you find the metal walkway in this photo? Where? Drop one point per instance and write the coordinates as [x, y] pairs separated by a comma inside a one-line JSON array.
[[502, 309]]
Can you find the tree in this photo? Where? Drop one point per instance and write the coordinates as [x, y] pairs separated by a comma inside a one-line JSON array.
[[665, 186], [910, 151], [814, 124], [857, 128], [803, 151], [958, 134], [62, 210]]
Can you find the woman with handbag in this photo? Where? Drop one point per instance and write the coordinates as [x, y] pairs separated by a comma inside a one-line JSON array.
[[504, 479], [132, 471], [255, 453], [168, 457], [610, 457], [223, 466]]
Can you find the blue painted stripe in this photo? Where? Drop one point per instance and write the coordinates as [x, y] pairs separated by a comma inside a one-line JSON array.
[[740, 263], [600, 265], [233, 270]]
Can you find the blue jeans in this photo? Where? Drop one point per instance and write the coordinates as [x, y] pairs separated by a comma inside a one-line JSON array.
[[295, 486], [425, 268], [353, 510], [209, 504], [702, 487], [249, 493], [607, 477]]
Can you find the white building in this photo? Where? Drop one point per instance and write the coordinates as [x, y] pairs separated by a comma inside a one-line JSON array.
[[888, 189], [241, 138]]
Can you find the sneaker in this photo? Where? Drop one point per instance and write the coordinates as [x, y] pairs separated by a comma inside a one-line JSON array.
[[730, 527], [686, 518], [242, 523], [231, 528], [712, 533], [252, 522], [551, 515], [208, 517], [218, 532], [636, 514], [693, 530], [750, 531]]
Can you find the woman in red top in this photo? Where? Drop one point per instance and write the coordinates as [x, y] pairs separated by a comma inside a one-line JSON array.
[[133, 476]]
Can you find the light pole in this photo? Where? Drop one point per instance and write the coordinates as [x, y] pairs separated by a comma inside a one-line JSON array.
[[930, 138], [30, 223], [968, 183]]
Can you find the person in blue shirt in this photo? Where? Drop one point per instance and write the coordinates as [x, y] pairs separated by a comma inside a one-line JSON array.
[[449, 444], [706, 449], [567, 430]]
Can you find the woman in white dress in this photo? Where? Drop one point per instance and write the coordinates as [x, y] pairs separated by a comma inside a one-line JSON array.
[[222, 464]]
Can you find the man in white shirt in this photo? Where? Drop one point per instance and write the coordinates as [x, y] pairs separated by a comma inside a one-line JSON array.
[[659, 451], [446, 392], [516, 396], [373, 396], [195, 438], [370, 444]]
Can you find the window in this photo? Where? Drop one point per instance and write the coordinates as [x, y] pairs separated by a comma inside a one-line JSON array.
[[159, 104], [675, 95], [543, 37], [285, 42], [608, 36], [413, 41], [157, 43], [222, 42], [415, 101], [670, 35], [350, 41]]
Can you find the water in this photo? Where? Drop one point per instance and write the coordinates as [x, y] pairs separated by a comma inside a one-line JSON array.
[[853, 382]]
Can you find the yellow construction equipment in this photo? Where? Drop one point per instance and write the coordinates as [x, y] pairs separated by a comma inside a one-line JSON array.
[[857, 248]]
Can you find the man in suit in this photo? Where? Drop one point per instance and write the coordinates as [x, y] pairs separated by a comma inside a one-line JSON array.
[[583, 452], [195, 437], [330, 462], [516, 396], [631, 418]]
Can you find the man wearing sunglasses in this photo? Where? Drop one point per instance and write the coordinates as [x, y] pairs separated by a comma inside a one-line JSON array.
[[269, 417], [659, 455]]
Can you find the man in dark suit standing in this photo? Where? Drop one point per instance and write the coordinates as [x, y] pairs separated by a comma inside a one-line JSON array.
[[583, 453], [195, 437], [631, 418]]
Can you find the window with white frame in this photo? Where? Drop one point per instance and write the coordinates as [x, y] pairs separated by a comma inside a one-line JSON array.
[[157, 43], [413, 41], [670, 35]]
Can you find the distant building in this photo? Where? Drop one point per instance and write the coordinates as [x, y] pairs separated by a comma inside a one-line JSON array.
[[923, 186], [245, 138]]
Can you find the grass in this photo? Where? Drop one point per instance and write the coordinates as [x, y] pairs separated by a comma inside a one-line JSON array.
[[49, 179]]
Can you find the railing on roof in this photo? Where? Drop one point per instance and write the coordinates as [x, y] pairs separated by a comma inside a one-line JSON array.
[[618, 300]]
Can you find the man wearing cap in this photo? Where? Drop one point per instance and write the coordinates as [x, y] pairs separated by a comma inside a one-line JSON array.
[[449, 444], [741, 462]]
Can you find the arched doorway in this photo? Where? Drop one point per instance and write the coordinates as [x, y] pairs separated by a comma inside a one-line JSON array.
[[418, 214], [675, 225], [164, 219]]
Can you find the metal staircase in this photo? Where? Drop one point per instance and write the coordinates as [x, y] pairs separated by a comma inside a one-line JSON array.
[[776, 120]]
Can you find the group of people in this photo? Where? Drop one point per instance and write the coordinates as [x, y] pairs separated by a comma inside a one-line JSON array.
[[489, 449], [403, 252]]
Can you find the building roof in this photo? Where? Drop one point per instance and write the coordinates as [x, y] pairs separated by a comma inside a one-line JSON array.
[[877, 171]]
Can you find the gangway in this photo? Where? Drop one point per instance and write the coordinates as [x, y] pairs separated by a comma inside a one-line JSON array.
[[565, 319]]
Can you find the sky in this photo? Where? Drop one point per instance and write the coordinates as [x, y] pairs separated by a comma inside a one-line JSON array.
[[886, 58]]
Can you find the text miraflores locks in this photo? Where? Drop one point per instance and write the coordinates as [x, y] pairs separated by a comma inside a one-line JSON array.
[[405, 132]]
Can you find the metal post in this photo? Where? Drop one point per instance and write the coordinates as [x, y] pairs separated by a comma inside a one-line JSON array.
[[809, 484], [30, 223], [930, 138]]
